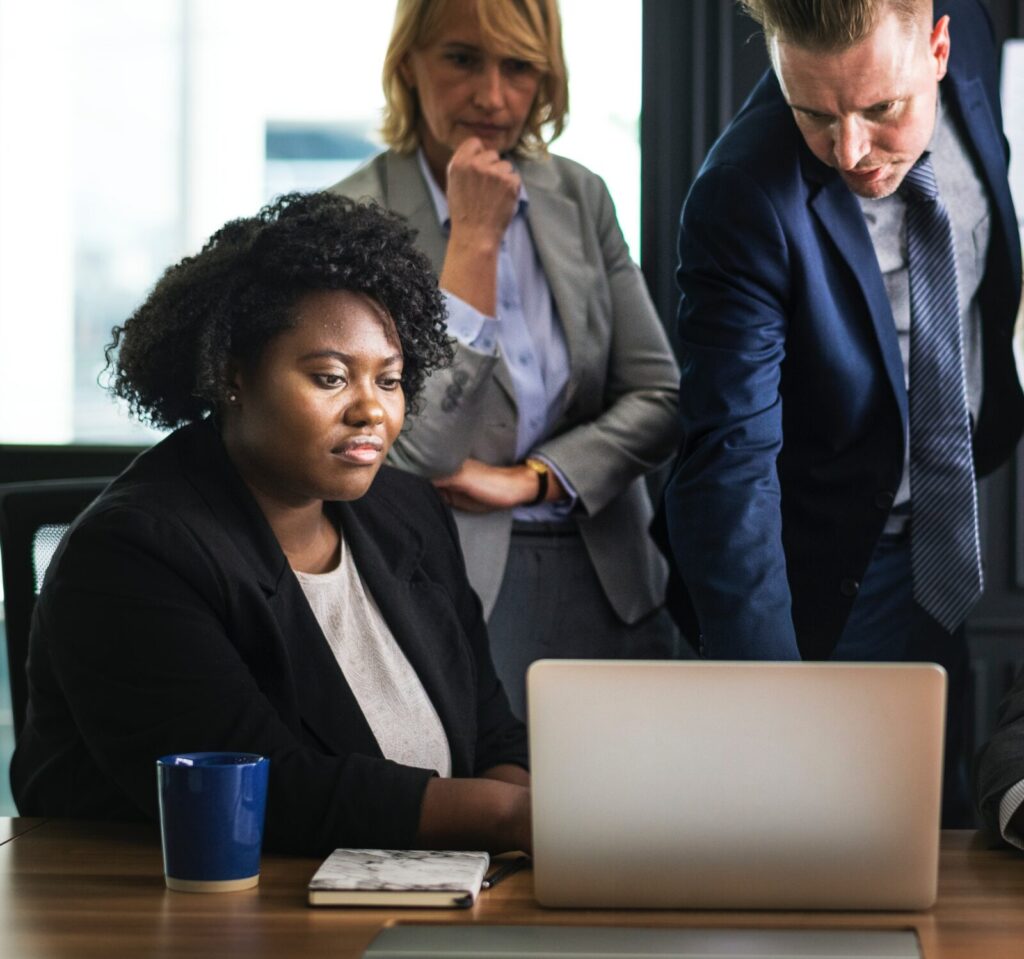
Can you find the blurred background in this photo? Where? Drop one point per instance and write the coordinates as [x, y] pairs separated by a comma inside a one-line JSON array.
[[129, 131]]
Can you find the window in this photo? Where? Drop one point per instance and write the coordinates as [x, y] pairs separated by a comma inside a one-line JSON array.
[[130, 131]]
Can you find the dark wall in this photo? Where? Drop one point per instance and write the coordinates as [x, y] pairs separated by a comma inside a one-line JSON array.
[[20, 464], [1007, 17], [701, 59]]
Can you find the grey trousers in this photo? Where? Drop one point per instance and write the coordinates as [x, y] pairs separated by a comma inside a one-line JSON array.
[[552, 606]]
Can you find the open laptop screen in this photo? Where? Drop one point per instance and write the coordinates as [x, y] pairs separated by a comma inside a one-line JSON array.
[[736, 785]]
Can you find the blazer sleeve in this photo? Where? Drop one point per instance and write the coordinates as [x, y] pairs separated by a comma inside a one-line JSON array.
[[138, 635], [635, 430], [1000, 763], [438, 439], [501, 738], [723, 502]]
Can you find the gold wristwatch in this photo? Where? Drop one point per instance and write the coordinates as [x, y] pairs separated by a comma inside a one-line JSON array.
[[543, 472]]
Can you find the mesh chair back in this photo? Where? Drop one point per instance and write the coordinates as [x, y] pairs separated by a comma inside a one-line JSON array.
[[33, 518], [45, 541]]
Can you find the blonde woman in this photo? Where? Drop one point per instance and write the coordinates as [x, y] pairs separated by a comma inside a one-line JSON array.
[[563, 390]]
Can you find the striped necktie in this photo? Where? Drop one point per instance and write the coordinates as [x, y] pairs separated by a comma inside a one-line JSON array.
[[944, 547]]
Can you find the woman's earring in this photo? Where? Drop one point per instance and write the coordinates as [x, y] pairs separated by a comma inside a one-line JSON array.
[[232, 397]]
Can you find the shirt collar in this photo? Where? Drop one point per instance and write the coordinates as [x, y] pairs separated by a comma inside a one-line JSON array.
[[937, 132], [940, 118], [440, 201]]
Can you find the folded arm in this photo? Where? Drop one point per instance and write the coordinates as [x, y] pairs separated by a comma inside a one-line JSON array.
[[632, 431]]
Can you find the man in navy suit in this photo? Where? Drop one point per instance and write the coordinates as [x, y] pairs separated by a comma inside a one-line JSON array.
[[790, 513]]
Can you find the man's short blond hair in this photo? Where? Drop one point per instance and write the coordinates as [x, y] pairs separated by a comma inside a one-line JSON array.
[[829, 24], [528, 30]]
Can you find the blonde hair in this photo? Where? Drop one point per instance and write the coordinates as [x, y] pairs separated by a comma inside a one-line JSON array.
[[828, 24], [528, 30]]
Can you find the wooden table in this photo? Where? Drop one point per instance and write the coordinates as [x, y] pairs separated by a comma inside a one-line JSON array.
[[96, 889]]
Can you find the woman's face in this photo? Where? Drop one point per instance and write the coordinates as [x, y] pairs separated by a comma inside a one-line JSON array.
[[465, 90], [317, 412]]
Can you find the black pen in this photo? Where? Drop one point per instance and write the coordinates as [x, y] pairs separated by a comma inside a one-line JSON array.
[[505, 870]]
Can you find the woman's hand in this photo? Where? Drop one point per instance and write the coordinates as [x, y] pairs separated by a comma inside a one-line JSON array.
[[482, 190], [480, 813], [480, 488]]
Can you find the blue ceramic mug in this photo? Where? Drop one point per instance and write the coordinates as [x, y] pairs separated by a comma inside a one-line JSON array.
[[212, 807]]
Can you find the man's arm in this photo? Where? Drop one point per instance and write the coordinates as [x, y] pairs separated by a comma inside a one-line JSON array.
[[999, 769], [723, 502]]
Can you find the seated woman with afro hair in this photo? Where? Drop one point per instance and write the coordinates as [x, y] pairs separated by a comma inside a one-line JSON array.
[[259, 581]]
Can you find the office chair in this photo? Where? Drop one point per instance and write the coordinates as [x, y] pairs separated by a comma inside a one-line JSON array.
[[33, 518]]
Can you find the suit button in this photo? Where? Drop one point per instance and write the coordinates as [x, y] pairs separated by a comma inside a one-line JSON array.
[[884, 499], [849, 587]]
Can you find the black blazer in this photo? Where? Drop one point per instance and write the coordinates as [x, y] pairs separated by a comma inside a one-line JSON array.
[[170, 621]]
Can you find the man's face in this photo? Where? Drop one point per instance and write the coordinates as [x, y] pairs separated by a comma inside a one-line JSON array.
[[869, 110]]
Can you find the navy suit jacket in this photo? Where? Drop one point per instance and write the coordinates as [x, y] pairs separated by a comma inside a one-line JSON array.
[[170, 621], [792, 394]]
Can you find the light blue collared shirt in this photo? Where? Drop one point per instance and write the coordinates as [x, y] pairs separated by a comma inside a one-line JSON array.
[[526, 331]]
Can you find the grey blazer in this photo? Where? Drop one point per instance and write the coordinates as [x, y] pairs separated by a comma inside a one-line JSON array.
[[619, 416]]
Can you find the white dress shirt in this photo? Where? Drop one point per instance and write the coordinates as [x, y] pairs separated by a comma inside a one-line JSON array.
[[396, 706]]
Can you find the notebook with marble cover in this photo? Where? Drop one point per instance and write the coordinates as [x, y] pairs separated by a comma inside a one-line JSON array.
[[398, 877]]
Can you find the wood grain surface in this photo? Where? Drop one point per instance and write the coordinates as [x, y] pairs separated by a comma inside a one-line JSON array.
[[97, 889], [9, 828]]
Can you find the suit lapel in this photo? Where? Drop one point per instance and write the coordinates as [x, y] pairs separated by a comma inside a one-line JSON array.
[[210, 470], [839, 213], [406, 194], [554, 221], [970, 105], [388, 551], [326, 703]]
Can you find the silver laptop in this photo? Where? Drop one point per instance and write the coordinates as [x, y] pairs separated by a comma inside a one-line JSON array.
[[736, 785]]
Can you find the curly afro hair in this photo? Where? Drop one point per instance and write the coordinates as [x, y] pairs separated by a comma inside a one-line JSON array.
[[169, 360]]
